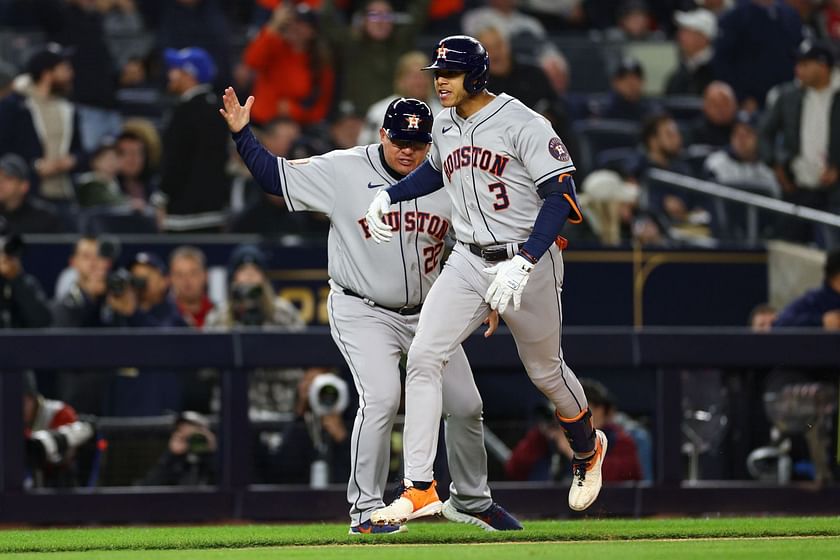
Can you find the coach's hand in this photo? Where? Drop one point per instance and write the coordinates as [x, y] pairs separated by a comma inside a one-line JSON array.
[[381, 205], [236, 115], [509, 282]]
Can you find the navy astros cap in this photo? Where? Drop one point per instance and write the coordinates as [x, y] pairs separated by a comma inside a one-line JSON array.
[[408, 119]]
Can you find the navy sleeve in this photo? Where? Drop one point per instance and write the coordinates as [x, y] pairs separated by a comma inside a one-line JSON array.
[[558, 205], [260, 162], [420, 182], [802, 312]]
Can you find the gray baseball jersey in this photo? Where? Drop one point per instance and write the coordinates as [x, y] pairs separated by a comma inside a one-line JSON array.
[[342, 185], [491, 164]]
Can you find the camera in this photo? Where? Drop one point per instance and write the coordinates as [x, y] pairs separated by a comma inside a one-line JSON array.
[[247, 304], [121, 280], [328, 394]]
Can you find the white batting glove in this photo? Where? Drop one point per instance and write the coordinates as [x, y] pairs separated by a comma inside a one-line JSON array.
[[381, 205], [509, 282]]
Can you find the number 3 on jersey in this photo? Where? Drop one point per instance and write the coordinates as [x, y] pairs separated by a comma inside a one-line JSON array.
[[432, 254], [502, 200]]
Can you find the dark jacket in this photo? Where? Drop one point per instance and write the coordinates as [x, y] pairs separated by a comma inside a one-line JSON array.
[[78, 309], [756, 47], [34, 216], [702, 131], [616, 107], [690, 82], [195, 147], [807, 310], [785, 118], [18, 135], [23, 303]]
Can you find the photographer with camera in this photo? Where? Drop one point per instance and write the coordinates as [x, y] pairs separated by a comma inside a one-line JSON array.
[[138, 296], [190, 457], [24, 214], [22, 300], [53, 433]]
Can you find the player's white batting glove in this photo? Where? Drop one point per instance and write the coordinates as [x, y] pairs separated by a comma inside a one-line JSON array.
[[509, 282], [381, 205]]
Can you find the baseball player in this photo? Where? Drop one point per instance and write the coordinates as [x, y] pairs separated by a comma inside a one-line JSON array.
[[376, 295], [508, 177]]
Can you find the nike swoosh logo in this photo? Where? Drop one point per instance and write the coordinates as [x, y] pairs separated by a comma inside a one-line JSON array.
[[372, 186], [445, 129]]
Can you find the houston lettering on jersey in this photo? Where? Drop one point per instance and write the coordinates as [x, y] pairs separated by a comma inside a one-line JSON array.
[[421, 222], [475, 156]]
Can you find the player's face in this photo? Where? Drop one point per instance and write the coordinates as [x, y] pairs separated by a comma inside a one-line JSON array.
[[449, 86], [401, 156]]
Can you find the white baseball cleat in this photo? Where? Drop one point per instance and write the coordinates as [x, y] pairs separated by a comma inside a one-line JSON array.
[[586, 476], [411, 504]]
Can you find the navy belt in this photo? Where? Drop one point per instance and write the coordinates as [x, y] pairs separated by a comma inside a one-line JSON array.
[[404, 310], [493, 254]]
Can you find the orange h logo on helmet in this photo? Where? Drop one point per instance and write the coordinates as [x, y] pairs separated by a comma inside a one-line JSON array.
[[413, 122], [441, 52]]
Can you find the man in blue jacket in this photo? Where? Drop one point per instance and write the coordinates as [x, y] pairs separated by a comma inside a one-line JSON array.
[[819, 307]]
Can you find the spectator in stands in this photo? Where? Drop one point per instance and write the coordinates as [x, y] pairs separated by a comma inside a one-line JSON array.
[[609, 204], [22, 301], [139, 297], [830, 20], [762, 317], [626, 99], [714, 126], [136, 174], [717, 7], [82, 306], [22, 213], [251, 299], [371, 48], [7, 76], [124, 30], [77, 24], [409, 81], [756, 48], [99, 186], [696, 31], [188, 275], [738, 164], [557, 14], [53, 433], [201, 24], [195, 147], [819, 307], [294, 73], [53, 147], [634, 22], [190, 456], [531, 458], [663, 150], [800, 136], [345, 125]]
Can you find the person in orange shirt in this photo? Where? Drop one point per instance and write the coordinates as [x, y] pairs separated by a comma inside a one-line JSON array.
[[294, 73]]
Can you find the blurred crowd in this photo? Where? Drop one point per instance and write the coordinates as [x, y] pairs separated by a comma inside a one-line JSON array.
[[111, 105]]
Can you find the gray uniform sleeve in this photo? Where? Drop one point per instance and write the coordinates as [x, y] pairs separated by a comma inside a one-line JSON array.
[[541, 151], [434, 157], [308, 184]]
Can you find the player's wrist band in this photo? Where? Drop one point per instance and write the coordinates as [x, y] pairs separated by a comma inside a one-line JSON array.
[[528, 256]]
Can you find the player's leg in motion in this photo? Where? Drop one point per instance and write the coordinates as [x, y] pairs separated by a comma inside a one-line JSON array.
[[537, 328], [452, 311], [469, 495], [369, 341]]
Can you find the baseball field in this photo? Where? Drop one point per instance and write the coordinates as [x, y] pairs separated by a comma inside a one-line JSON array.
[[762, 538]]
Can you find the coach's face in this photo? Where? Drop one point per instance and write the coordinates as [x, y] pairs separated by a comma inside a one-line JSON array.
[[449, 86], [402, 156]]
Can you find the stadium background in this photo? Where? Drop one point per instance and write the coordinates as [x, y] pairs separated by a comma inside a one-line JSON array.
[[660, 315]]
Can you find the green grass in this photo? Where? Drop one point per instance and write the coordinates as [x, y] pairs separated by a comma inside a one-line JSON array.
[[255, 536], [773, 549]]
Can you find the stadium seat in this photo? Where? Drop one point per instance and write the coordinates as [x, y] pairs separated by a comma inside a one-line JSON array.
[[598, 135], [117, 219]]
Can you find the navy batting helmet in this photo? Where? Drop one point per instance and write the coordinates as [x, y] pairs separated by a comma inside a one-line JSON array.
[[462, 53], [408, 119]]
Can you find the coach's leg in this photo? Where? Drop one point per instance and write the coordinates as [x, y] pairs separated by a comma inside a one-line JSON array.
[[464, 431], [367, 339]]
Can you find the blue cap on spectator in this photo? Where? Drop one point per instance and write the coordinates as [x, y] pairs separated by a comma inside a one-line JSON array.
[[14, 166], [246, 254], [192, 60], [816, 50], [149, 259]]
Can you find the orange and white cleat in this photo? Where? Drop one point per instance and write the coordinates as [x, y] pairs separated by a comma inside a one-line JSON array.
[[411, 504], [586, 476]]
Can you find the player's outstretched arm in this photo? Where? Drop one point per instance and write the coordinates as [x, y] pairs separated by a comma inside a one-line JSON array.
[[260, 162], [236, 116]]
